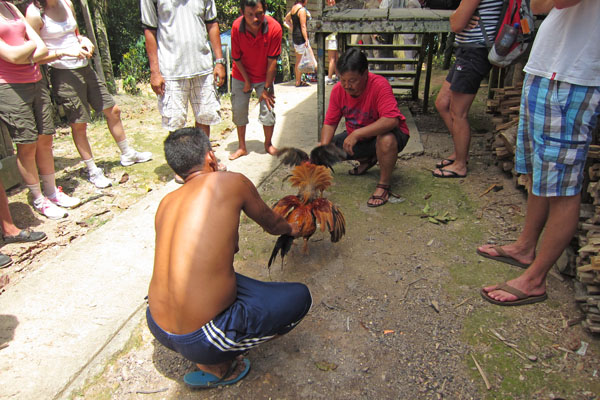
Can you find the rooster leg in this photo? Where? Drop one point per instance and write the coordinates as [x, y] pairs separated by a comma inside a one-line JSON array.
[[305, 247]]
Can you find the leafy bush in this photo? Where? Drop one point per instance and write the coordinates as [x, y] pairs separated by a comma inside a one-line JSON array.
[[134, 67]]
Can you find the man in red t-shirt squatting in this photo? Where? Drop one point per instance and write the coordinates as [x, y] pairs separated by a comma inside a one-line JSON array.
[[255, 47], [376, 131]]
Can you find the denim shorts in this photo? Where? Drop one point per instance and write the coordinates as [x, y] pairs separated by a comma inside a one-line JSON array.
[[469, 69], [261, 311], [555, 131]]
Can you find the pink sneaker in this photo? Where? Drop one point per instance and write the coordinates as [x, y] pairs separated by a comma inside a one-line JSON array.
[[63, 200]]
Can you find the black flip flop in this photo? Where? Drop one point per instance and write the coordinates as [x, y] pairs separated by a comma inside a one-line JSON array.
[[446, 173], [444, 163]]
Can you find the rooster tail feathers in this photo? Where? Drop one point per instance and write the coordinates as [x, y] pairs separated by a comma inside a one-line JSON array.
[[292, 156], [339, 224], [283, 245], [327, 155]]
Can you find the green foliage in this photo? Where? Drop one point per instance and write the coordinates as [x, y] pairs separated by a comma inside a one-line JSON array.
[[229, 10], [123, 26], [134, 66]]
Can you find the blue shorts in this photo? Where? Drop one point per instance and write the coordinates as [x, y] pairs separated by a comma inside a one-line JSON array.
[[366, 149], [261, 311], [555, 131]]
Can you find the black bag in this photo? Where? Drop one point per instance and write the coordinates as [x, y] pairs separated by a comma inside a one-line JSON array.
[[442, 4]]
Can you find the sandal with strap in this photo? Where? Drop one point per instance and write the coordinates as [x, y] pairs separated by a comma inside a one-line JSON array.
[[370, 164], [384, 197]]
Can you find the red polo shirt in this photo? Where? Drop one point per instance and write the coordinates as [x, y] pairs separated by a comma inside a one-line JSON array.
[[252, 50]]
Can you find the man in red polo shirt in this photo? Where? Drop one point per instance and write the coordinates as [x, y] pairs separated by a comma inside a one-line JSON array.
[[255, 47]]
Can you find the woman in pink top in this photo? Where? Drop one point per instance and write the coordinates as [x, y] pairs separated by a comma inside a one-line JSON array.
[[76, 85], [25, 108]]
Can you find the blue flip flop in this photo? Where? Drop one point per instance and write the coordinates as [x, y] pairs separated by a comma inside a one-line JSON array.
[[204, 380]]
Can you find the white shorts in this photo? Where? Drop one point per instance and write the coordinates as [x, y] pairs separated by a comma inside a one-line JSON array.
[[331, 42], [300, 48], [199, 91]]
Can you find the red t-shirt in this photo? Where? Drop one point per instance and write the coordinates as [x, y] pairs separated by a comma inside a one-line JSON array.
[[254, 51], [375, 102]]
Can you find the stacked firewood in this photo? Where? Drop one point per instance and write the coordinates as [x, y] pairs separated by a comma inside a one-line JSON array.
[[505, 106], [587, 287]]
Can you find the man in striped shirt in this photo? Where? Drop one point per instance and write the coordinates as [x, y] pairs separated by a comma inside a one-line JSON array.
[[179, 37]]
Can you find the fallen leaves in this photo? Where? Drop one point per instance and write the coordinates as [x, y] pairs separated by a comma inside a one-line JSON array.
[[434, 217], [326, 366]]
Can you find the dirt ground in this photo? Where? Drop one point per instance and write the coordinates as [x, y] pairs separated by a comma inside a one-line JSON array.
[[396, 310]]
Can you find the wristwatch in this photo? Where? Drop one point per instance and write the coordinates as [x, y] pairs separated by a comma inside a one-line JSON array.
[[220, 61]]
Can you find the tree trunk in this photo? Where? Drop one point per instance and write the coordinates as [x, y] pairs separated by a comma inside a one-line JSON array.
[[100, 8]]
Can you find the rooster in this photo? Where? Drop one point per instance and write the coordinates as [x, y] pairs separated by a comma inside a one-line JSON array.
[[309, 208]]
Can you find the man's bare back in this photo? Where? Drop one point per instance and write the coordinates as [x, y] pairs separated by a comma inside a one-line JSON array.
[[196, 239]]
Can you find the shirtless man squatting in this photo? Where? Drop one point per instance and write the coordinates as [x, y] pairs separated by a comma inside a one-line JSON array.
[[198, 305]]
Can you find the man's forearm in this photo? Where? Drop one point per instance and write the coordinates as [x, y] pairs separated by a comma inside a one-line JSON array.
[[152, 50], [327, 134], [382, 125], [214, 37], [271, 71], [242, 70]]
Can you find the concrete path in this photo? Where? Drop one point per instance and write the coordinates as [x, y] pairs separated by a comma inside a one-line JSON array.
[[63, 321]]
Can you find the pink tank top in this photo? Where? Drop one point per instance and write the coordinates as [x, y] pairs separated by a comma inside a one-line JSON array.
[[13, 33]]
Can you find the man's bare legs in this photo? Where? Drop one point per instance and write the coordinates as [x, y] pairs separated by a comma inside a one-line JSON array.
[[563, 215], [523, 249], [269, 148], [241, 151], [205, 128], [387, 155], [454, 110]]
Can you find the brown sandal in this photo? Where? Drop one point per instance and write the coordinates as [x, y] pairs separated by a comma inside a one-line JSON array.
[[384, 197]]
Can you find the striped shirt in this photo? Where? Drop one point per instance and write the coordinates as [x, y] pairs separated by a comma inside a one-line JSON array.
[[183, 47], [489, 14]]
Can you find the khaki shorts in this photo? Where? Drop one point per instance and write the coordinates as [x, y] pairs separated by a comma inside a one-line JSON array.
[[240, 102], [78, 89], [199, 91], [27, 110]]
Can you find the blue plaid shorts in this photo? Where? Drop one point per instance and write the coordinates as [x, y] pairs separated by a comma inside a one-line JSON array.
[[555, 131]]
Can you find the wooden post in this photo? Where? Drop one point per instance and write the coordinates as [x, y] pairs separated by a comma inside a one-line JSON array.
[[89, 26], [430, 37], [320, 38]]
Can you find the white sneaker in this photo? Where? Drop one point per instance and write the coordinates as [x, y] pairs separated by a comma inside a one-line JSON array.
[[99, 180], [135, 157], [329, 81], [49, 209], [63, 200]]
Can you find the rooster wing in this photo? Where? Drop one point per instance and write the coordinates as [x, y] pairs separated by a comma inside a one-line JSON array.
[[329, 216], [283, 206]]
